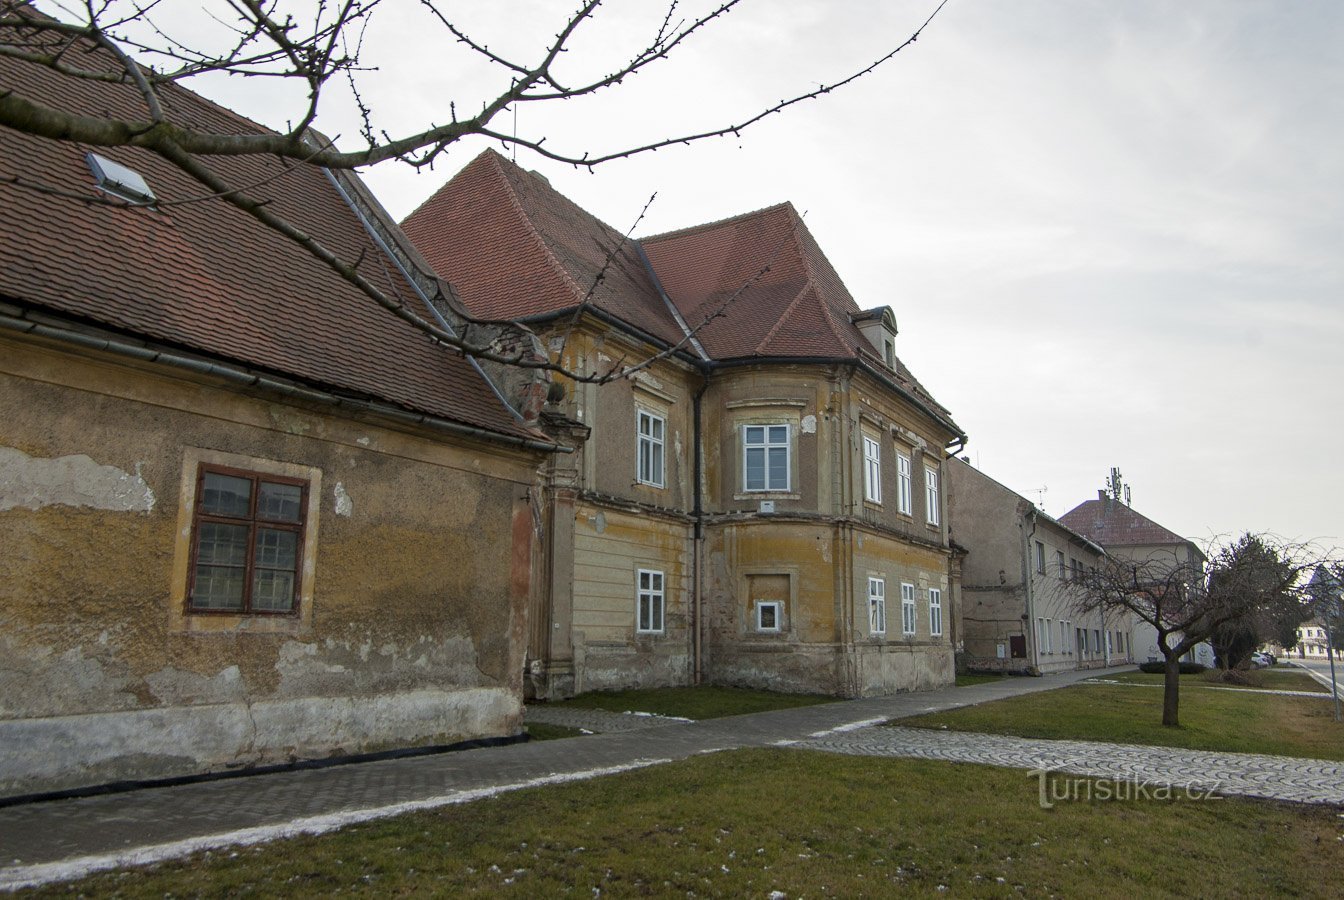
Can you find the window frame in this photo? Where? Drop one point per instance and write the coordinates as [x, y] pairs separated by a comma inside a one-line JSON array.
[[905, 496], [936, 612], [932, 493], [1040, 558], [908, 624], [652, 595], [646, 442], [758, 606], [766, 445], [872, 470], [252, 521], [877, 606]]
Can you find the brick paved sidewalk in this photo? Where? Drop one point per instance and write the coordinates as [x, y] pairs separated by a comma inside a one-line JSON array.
[[65, 838], [1229, 774]]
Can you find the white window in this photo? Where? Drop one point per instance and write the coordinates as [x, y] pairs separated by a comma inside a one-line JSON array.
[[1063, 637], [769, 615], [1040, 634], [903, 494], [765, 457], [1040, 557], [1059, 562], [652, 430], [931, 495], [872, 470], [1049, 647], [907, 609], [650, 613], [935, 611], [877, 606]]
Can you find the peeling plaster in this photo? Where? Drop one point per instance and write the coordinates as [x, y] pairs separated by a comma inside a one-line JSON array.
[[344, 505], [809, 425], [33, 482]]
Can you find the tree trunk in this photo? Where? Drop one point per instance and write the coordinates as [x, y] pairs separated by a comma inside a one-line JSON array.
[[1171, 690]]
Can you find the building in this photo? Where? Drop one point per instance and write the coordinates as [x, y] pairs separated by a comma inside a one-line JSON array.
[[1130, 535], [248, 515], [1020, 609], [757, 498]]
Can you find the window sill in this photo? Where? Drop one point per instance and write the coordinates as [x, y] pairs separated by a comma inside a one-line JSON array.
[[767, 495]]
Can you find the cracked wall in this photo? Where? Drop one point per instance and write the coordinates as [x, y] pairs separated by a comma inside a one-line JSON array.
[[412, 634]]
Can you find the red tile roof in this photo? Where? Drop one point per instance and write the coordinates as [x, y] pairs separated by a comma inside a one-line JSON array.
[[204, 277], [513, 247], [1111, 523], [755, 285]]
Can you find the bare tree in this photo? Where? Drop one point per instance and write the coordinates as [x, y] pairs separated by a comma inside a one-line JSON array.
[[1186, 602], [319, 45]]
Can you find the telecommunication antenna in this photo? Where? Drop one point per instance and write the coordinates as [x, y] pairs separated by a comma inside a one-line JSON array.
[[1114, 485], [1040, 495], [1127, 497]]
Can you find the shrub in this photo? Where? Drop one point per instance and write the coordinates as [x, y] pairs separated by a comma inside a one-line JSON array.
[[1157, 668], [1238, 677]]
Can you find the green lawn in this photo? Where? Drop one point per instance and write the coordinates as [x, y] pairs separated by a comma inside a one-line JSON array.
[[1238, 721], [746, 823], [968, 680], [1259, 679], [704, 702]]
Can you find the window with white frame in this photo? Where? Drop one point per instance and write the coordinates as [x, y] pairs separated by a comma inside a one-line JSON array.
[[931, 495], [1040, 634], [935, 611], [1059, 563], [872, 470], [877, 606], [907, 609], [1063, 637], [904, 497], [652, 441], [1040, 558], [769, 615], [649, 615], [1049, 647], [765, 457]]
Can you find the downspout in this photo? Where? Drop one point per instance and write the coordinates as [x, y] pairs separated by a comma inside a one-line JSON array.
[[698, 539], [1028, 581]]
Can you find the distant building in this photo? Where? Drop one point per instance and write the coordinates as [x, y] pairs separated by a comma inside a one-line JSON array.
[[1019, 609], [1131, 535]]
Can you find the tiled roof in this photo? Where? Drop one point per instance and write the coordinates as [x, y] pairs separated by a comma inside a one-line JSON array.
[[759, 285], [513, 247], [1111, 523], [755, 285], [204, 277]]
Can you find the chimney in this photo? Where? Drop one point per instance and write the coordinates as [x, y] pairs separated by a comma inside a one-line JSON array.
[[1101, 495]]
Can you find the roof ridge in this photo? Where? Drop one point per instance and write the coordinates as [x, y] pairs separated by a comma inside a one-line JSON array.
[[692, 229], [784, 316], [796, 227], [498, 161]]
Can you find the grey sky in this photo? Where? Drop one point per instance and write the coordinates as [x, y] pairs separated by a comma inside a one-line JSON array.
[[1110, 231]]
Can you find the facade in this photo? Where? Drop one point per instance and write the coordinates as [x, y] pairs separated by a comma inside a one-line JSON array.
[[757, 498], [1312, 642], [1131, 535], [248, 515], [1019, 610]]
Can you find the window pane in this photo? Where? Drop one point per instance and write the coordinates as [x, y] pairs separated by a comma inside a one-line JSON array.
[[276, 549], [218, 587], [754, 434], [779, 434], [224, 545], [755, 469], [280, 502], [226, 495], [779, 468], [273, 591], [656, 606]]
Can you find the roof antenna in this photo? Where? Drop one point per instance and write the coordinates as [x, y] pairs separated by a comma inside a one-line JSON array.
[[1040, 495]]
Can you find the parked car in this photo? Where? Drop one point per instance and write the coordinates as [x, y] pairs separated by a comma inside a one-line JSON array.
[[1261, 660]]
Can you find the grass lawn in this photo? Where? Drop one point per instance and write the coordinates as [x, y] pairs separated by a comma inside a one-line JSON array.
[[1237, 721], [1259, 679], [968, 680], [749, 822], [704, 702]]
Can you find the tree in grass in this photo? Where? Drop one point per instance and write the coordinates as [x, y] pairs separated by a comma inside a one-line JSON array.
[[1186, 603]]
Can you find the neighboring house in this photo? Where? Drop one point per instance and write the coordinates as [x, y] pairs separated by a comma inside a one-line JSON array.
[[1312, 643], [1019, 608], [762, 504], [1130, 535], [247, 514]]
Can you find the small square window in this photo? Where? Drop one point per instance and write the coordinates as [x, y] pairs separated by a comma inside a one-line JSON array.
[[769, 615]]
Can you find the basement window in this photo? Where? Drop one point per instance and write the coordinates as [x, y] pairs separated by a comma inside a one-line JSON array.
[[118, 181]]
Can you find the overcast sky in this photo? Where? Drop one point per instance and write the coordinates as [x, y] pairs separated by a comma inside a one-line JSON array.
[[1111, 232]]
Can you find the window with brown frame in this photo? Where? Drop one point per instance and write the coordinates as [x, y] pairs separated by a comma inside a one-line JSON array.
[[247, 542]]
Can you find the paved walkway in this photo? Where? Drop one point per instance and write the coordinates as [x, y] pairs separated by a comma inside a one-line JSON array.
[[62, 839]]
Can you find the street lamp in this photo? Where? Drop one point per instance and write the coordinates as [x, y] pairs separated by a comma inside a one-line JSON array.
[[1330, 647]]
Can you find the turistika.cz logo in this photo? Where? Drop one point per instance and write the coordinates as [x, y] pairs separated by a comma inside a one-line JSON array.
[[1054, 786]]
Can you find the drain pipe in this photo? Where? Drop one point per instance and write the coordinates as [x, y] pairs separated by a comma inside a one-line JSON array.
[[1031, 632], [698, 540]]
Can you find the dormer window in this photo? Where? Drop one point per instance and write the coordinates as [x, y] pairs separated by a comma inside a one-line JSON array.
[[119, 181], [878, 326]]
